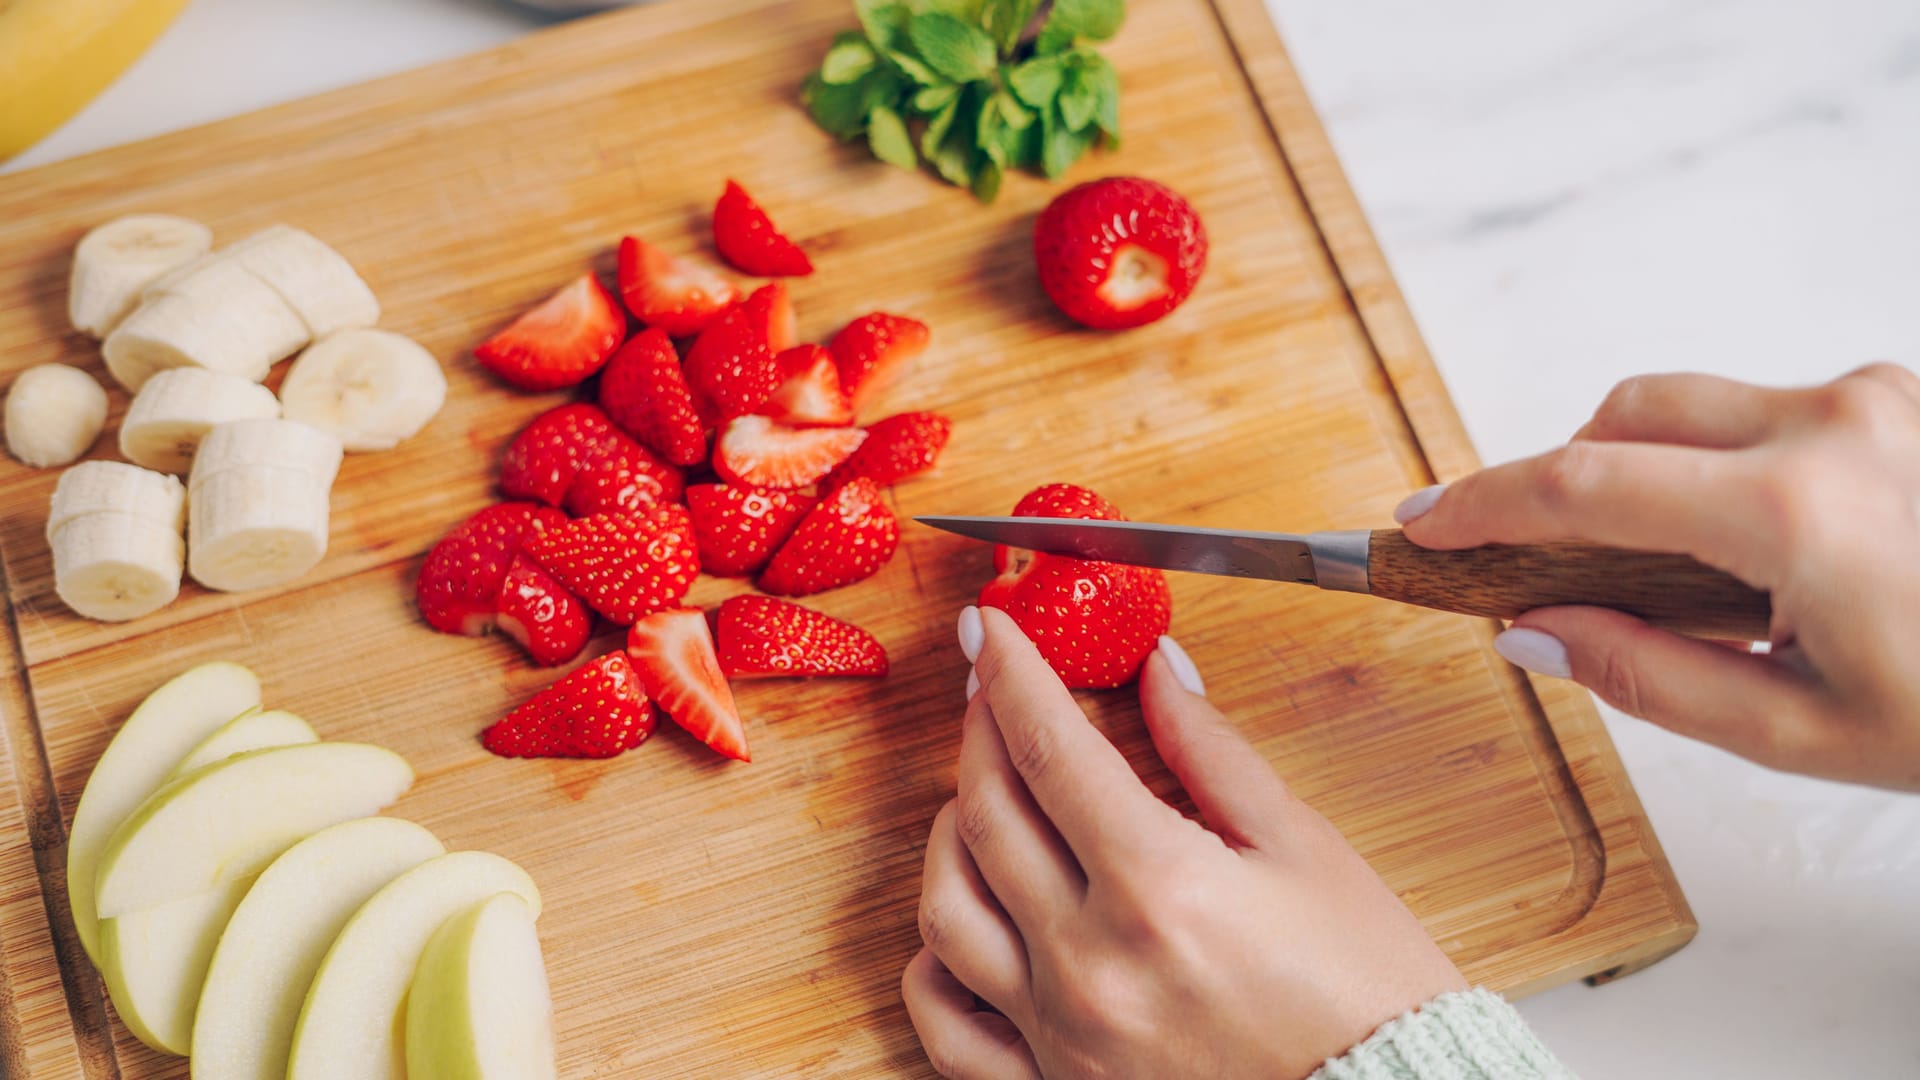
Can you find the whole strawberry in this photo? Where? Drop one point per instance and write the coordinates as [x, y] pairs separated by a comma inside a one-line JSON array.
[[1119, 252]]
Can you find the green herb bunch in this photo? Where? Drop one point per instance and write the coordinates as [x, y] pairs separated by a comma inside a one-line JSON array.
[[978, 86]]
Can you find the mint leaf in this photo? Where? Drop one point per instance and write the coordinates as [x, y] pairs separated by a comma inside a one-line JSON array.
[[986, 134], [986, 182], [1078, 102], [937, 127], [1090, 20], [1006, 20], [955, 49], [840, 110], [1037, 81], [850, 58], [888, 138], [932, 99], [1060, 145], [1106, 88], [915, 69], [881, 86], [964, 10], [885, 24]]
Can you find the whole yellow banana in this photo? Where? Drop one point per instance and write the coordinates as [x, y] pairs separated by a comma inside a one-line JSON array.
[[56, 55]]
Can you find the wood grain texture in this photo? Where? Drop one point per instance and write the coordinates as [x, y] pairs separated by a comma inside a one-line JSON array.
[[710, 919]]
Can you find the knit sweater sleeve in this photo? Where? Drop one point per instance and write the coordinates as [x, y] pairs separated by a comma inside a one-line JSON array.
[[1466, 1035]]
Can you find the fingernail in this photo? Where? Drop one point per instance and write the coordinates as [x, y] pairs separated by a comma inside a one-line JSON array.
[[1417, 503], [1182, 666], [973, 681], [973, 633], [1535, 650]]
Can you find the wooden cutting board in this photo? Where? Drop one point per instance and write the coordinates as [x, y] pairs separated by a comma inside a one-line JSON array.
[[713, 919]]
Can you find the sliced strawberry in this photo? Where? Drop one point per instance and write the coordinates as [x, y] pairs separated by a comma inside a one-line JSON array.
[[459, 585], [747, 239], [732, 364], [597, 711], [758, 451], [811, 393], [871, 349], [677, 295], [624, 477], [1058, 501], [737, 527], [673, 653], [622, 566], [542, 615], [896, 448], [543, 459], [847, 538], [760, 636], [560, 342], [645, 393]]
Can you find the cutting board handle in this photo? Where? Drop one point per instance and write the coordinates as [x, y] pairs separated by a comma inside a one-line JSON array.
[[1673, 592]]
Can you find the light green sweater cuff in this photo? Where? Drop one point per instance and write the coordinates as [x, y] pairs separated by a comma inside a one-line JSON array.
[[1465, 1035]]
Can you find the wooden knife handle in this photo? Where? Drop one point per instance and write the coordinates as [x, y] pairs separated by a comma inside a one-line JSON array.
[[1674, 592]]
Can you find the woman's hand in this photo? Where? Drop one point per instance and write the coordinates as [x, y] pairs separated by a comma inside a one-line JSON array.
[[1113, 936], [1811, 494]]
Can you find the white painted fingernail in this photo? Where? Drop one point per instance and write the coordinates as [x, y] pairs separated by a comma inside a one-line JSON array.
[[1535, 650], [1417, 503], [973, 633], [973, 681], [1182, 666]]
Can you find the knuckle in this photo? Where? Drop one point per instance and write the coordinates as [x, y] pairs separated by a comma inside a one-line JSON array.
[[1571, 473], [936, 922], [1864, 403], [1620, 684], [1627, 398], [1033, 753], [941, 1054], [1893, 375], [973, 820]]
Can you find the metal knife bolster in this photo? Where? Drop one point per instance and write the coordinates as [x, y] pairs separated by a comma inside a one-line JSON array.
[[1340, 559]]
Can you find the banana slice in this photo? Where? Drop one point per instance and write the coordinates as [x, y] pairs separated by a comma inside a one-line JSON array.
[[238, 445], [218, 316], [115, 566], [113, 263], [54, 413], [315, 280], [372, 389], [255, 527], [175, 408], [114, 487]]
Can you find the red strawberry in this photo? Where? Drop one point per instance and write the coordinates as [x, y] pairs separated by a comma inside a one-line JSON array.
[[847, 538], [679, 296], [539, 613], [459, 585], [644, 391], [747, 239], [871, 349], [1058, 501], [737, 528], [896, 448], [597, 711], [623, 566], [1119, 252], [560, 342], [762, 636], [543, 459], [732, 363], [758, 451], [624, 476], [673, 653], [811, 393]]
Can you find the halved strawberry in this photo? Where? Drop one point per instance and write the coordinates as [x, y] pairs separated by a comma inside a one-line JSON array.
[[871, 349], [560, 342], [896, 448], [459, 585], [747, 239], [542, 615], [623, 566], [1058, 501], [544, 458], [673, 653], [625, 477], [732, 363], [737, 527], [759, 451], [677, 295], [597, 711], [760, 636], [811, 393], [644, 391], [848, 537]]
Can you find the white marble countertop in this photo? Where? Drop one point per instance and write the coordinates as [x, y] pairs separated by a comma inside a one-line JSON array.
[[1569, 193]]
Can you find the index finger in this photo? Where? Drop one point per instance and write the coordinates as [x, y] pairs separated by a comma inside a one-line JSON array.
[[1080, 781]]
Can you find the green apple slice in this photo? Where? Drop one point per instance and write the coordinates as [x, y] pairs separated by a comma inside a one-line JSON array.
[[275, 941], [155, 959], [479, 1008], [252, 730], [352, 1024], [159, 733], [228, 820]]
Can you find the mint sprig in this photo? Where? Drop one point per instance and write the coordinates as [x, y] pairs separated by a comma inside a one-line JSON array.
[[973, 88]]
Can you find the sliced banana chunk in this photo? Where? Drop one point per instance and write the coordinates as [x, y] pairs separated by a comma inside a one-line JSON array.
[[244, 334], [373, 389], [176, 408], [113, 263], [114, 487], [54, 413], [255, 527], [280, 444], [115, 567], [315, 280]]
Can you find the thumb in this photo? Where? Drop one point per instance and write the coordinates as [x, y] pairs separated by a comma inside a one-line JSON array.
[[1236, 791], [1754, 706]]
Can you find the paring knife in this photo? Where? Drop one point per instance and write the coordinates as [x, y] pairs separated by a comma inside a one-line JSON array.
[[1670, 591]]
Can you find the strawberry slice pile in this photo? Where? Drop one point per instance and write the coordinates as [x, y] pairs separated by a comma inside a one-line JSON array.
[[713, 441]]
